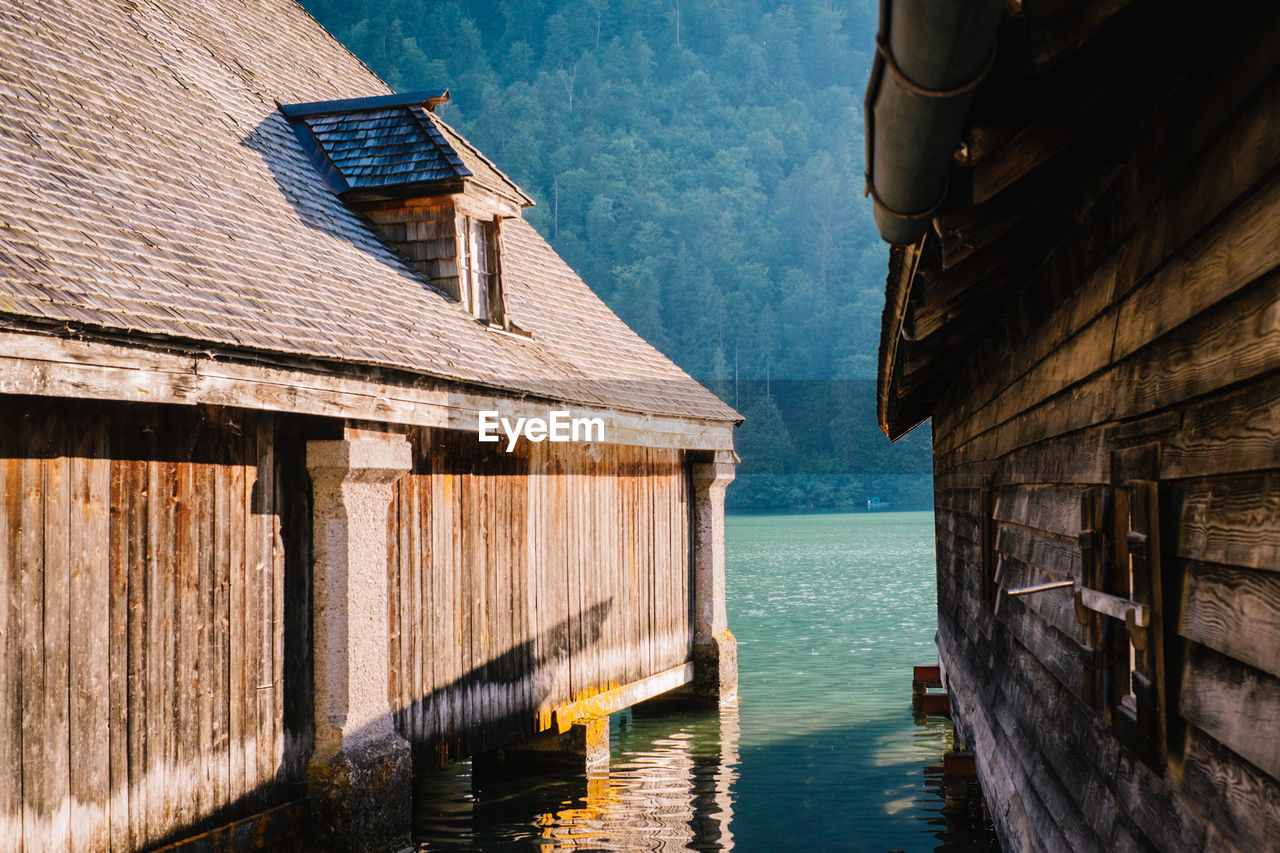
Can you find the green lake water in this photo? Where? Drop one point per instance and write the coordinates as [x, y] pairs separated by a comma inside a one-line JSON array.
[[822, 751]]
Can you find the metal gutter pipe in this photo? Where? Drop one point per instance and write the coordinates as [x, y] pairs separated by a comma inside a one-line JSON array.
[[930, 57]]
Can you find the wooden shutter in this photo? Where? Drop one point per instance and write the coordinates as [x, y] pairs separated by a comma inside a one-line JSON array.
[[1142, 547], [1120, 602], [1095, 513], [987, 534], [497, 297], [480, 272]]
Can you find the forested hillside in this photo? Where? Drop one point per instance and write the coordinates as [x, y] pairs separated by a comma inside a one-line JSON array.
[[699, 163]]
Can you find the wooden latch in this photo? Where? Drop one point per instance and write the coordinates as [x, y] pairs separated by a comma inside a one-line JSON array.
[[1133, 613]]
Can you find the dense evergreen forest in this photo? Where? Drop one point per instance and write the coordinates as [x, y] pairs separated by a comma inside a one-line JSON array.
[[700, 164]]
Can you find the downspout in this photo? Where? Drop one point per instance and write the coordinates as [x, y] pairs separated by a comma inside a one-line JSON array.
[[930, 57]]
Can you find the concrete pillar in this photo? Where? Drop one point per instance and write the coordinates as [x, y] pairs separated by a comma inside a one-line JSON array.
[[361, 773], [715, 650]]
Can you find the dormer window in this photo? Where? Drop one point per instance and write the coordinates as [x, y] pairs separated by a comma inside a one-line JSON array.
[[479, 262], [433, 196]]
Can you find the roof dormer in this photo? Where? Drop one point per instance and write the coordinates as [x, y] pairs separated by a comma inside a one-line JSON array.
[[428, 191]]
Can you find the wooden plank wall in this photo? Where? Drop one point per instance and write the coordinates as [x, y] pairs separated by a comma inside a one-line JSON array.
[[142, 610], [1172, 336], [524, 581]]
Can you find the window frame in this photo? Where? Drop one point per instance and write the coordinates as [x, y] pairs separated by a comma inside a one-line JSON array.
[[480, 269], [1121, 556]]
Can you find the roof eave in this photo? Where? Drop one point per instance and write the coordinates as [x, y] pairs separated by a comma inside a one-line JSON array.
[[396, 192], [895, 418]]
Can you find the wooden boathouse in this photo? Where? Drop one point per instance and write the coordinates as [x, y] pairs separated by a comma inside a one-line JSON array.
[[257, 557], [1084, 296]]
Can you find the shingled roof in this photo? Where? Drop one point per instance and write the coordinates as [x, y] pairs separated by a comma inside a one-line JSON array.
[[391, 146], [151, 188]]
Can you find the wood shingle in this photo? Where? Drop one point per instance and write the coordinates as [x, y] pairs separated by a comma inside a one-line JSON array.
[[151, 190]]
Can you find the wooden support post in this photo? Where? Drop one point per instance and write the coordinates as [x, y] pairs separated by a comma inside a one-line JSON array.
[[715, 651], [959, 765], [959, 771], [361, 774], [583, 747], [924, 677], [929, 675]]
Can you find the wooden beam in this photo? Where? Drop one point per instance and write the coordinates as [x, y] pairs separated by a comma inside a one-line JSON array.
[[902, 266], [1188, 165], [610, 701], [1053, 132], [44, 365], [1055, 28], [1244, 801], [1230, 432], [1052, 604], [1079, 100], [1230, 520], [1247, 238], [1247, 142], [951, 300], [1023, 220]]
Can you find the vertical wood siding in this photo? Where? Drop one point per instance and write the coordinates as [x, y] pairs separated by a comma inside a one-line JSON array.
[[142, 611], [155, 680], [523, 581]]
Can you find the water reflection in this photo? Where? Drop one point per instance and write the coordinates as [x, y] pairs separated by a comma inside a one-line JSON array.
[[676, 783], [669, 786]]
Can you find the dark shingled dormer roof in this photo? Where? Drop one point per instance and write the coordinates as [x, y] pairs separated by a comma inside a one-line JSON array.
[[391, 146]]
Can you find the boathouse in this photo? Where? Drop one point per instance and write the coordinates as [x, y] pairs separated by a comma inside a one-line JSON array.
[[259, 319], [1084, 297]]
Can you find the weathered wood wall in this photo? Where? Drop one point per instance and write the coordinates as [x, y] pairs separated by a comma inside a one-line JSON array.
[[142, 608], [524, 581], [1155, 320], [155, 604]]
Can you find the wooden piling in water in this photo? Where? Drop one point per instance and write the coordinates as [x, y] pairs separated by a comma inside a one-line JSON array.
[[923, 679], [959, 764]]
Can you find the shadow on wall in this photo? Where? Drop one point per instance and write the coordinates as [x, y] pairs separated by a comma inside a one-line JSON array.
[[496, 702], [275, 813], [315, 205]]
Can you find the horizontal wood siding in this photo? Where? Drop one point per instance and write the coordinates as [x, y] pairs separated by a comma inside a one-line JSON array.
[[142, 609], [524, 581], [1170, 336]]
